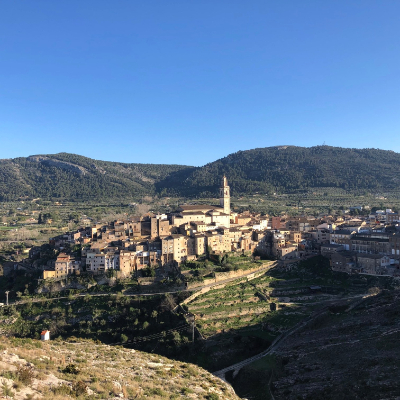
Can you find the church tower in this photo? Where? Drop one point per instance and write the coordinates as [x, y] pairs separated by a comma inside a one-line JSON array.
[[225, 196]]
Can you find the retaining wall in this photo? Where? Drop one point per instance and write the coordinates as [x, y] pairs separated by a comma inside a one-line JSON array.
[[238, 274]]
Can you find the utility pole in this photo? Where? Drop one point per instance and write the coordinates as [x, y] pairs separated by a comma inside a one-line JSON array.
[[7, 296], [194, 325]]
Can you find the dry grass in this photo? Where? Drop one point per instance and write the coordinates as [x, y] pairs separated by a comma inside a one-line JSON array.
[[105, 372]]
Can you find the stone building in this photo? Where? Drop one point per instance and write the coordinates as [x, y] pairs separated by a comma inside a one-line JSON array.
[[207, 214], [394, 242], [66, 265], [370, 243], [374, 264], [344, 261]]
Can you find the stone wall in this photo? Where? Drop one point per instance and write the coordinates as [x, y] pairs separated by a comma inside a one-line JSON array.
[[251, 274]]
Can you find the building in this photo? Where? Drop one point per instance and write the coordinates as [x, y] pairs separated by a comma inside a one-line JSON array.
[[392, 218], [101, 262], [328, 249], [66, 265], [45, 335], [374, 264], [225, 196], [207, 214], [344, 261], [341, 237], [127, 262], [394, 241], [377, 243]]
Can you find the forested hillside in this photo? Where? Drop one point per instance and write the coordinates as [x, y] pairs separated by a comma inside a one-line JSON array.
[[69, 176], [288, 168], [264, 170]]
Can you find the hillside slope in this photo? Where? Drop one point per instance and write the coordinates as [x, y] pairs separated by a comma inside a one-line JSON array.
[[263, 170], [70, 176], [288, 168], [345, 353], [82, 369]]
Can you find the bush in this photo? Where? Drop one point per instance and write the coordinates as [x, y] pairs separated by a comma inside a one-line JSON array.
[[156, 392], [62, 389], [212, 396], [71, 369], [25, 375], [79, 388], [7, 391]]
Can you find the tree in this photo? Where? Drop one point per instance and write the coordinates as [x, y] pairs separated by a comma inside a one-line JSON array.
[[145, 325], [87, 298], [40, 219], [176, 337], [168, 303], [149, 271]]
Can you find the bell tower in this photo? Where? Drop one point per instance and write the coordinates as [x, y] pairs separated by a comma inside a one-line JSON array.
[[225, 196]]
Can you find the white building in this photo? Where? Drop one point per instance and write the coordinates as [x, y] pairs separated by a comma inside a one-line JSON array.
[[45, 335]]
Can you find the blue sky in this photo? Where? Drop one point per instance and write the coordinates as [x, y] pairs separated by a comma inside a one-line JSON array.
[[189, 82]]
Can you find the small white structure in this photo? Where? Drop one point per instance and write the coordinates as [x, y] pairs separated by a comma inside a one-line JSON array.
[[45, 335]]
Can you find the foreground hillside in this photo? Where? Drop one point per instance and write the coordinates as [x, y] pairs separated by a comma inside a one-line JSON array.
[[30, 369]]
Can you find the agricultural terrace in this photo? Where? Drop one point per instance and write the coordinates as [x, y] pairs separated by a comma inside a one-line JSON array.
[[237, 306], [203, 270], [296, 291]]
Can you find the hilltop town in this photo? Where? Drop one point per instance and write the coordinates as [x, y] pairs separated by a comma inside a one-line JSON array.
[[140, 245]]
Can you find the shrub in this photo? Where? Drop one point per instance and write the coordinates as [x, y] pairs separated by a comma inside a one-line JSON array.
[[71, 369], [212, 396], [62, 389], [9, 375], [7, 391], [79, 388], [25, 375], [156, 392]]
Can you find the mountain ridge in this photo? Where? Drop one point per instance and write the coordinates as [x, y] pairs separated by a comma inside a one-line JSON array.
[[270, 169]]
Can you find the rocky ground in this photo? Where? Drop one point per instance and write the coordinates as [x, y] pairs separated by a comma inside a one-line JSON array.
[[30, 369]]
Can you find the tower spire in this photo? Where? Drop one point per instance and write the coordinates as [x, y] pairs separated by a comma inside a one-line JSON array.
[[224, 196]]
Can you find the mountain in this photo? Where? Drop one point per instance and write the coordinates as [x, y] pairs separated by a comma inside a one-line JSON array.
[[70, 176], [286, 168], [264, 170]]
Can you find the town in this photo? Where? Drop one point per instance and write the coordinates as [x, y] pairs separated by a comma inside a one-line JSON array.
[[138, 246]]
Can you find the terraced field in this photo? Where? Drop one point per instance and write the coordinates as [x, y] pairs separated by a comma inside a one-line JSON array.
[[313, 363], [240, 319], [246, 304]]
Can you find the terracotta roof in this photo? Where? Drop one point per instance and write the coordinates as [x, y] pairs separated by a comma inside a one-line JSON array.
[[199, 207], [195, 207]]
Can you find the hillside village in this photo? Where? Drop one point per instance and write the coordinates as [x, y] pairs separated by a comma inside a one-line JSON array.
[[354, 244]]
